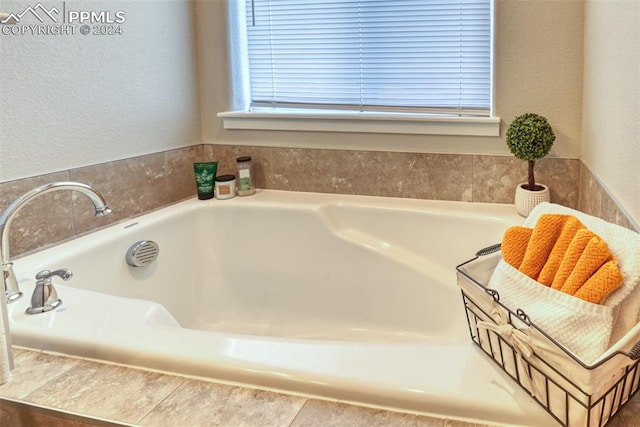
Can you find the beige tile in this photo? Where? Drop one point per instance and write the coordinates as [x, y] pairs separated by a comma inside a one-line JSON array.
[[371, 173], [209, 152], [48, 219], [495, 178], [180, 179], [438, 176], [198, 403], [223, 155], [623, 221], [261, 158], [541, 170], [318, 413], [590, 193], [298, 169], [33, 369], [106, 391], [564, 181], [131, 187], [610, 212]]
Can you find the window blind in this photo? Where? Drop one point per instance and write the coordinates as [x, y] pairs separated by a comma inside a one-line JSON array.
[[425, 56]]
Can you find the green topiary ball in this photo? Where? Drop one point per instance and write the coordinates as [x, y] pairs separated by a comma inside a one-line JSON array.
[[530, 137]]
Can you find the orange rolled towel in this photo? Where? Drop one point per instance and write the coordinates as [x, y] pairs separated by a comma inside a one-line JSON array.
[[560, 252], [514, 244], [571, 257], [595, 254], [569, 230], [545, 234], [604, 281]]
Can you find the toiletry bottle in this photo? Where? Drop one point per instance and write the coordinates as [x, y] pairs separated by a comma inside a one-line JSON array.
[[225, 187], [205, 173], [246, 184]]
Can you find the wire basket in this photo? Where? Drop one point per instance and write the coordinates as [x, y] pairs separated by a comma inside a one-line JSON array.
[[556, 390]]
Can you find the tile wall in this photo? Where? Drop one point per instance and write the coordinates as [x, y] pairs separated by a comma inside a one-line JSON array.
[[137, 185]]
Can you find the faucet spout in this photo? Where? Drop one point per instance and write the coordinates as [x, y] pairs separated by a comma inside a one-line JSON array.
[[7, 277], [6, 218]]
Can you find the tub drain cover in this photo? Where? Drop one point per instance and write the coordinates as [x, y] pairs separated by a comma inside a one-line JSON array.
[[142, 253]]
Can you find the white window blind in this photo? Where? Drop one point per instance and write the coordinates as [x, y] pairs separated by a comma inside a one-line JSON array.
[[418, 56]]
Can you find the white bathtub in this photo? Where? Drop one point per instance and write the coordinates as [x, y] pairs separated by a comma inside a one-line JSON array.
[[345, 297]]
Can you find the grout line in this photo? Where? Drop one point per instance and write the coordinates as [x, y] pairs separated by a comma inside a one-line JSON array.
[[50, 380], [140, 420], [298, 413]]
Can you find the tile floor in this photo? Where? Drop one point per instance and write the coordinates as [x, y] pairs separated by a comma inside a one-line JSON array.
[[57, 391], [98, 392]]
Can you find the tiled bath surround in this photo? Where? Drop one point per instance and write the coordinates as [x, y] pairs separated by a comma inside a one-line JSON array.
[[138, 185], [131, 187], [141, 184]]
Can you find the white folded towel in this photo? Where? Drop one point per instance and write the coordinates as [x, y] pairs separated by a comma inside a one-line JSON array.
[[624, 244], [586, 329]]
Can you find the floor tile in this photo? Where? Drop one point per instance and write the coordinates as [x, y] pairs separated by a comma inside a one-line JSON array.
[[211, 404], [106, 391], [32, 370], [317, 413]]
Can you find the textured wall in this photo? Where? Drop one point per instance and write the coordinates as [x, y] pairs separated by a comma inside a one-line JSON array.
[[538, 68], [76, 100], [86, 100], [612, 98]]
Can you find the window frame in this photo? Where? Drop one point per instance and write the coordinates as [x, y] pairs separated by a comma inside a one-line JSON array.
[[241, 117]]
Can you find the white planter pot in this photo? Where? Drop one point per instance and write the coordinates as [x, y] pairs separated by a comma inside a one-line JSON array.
[[526, 200]]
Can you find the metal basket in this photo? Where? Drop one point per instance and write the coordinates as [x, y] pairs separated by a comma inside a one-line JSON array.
[[559, 395]]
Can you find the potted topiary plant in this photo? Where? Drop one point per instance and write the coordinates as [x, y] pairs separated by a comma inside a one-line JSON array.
[[530, 137]]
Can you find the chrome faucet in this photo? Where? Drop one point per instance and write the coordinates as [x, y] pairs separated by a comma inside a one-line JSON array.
[[12, 292], [9, 282]]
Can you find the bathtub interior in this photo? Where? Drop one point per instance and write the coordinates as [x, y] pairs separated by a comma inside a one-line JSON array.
[[350, 298], [336, 270]]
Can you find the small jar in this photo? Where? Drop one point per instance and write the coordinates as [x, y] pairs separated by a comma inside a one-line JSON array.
[[225, 187], [246, 184]]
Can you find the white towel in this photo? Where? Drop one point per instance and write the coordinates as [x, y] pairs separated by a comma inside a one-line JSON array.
[[586, 329], [582, 327], [624, 244]]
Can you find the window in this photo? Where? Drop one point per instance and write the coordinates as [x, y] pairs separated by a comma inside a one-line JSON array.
[[382, 66], [417, 56]]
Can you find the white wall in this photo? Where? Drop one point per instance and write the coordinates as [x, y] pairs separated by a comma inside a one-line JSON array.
[[78, 100], [538, 68], [69, 101], [611, 124], [74, 100]]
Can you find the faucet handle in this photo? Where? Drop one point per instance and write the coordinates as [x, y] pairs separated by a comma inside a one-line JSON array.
[[45, 297], [46, 275]]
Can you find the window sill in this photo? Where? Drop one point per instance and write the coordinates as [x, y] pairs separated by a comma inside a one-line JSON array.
[[362, 122]]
